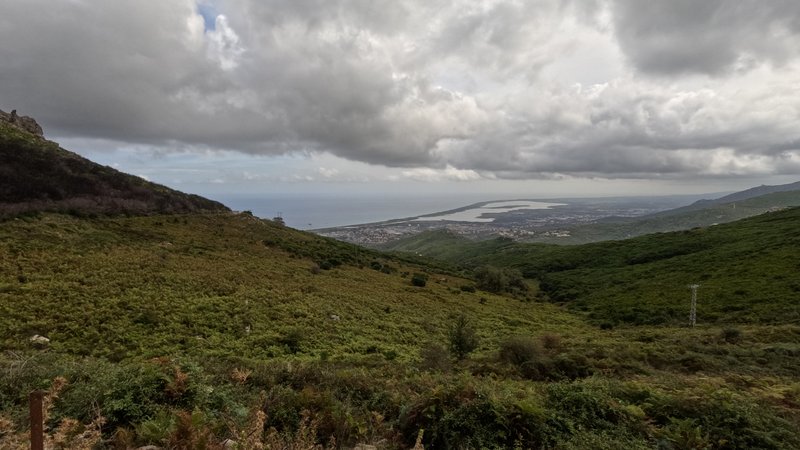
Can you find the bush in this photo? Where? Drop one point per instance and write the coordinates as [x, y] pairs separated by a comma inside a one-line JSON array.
[[435, 357], [731, 335], [570, 367], [520, 351], [551, 341], [462, 338], [462, 417], [292, 340], [419, 279], [492, 279]]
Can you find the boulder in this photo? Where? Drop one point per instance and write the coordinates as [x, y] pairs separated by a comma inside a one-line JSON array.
[[25, 123], [39, 340]]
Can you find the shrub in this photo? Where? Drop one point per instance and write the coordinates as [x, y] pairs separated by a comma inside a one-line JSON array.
[[496, 280], [491, 279], [468, 288], [527, 355], [292, 340], [731, 335], [520, 351], [419, 279], [435, 357], [459, 416], [462, 338], [551, 341], [570, 367]]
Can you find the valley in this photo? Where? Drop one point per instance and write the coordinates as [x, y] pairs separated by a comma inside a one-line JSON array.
[[148, 317]]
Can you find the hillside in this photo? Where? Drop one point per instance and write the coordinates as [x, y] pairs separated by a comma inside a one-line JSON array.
[[699, 214], [38, 175], [746, 194], [747, 268], [183, 329]]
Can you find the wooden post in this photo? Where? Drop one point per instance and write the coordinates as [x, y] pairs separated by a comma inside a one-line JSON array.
[[37, 420]]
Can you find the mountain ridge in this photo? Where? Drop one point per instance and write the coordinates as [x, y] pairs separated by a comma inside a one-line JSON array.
[[38, 175]]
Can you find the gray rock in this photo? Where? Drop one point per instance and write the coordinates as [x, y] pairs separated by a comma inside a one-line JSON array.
[[39, 340], [22, 122]]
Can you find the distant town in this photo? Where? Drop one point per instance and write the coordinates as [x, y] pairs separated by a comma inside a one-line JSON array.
[[519, 224]]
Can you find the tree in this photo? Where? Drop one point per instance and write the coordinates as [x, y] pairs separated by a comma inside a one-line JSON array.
[[462, 337], [492, 279]]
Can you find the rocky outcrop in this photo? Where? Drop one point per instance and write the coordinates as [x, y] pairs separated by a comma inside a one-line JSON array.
[[26, 123]]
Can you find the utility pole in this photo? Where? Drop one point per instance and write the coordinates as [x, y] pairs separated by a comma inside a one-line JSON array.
[[693, 310]]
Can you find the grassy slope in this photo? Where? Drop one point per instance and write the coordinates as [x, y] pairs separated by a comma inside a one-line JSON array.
[[114, 293], [38, 175], [747, 268], [150, 286]]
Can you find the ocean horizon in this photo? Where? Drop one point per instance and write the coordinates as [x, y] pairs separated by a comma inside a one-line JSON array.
[[308, 212]]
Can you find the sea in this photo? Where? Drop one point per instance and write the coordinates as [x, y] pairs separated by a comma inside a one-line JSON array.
[[306, 212]]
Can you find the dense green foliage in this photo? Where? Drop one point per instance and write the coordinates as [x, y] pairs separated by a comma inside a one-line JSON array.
[[217, 316], [462, 338], [492, 279]]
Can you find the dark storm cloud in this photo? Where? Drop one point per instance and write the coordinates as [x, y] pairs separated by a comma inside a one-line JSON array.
[[455, 86], [710, 36]]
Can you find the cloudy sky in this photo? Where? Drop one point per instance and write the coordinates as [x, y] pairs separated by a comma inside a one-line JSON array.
[[536, 97]]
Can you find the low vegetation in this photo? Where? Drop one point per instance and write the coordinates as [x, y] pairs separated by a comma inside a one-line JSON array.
[[183, 331], [746, 269]]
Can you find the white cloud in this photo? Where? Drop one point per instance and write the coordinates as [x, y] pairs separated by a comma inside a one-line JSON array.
[[449, 173], [224, 45], [456, 90], [328, 173]]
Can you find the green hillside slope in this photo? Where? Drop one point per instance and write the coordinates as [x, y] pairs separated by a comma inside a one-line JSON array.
[[748, 270], [194, 284], [701, 214], [38, 175], [185, 330]]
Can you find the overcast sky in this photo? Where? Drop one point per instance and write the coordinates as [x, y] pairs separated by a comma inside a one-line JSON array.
[[538, 98]]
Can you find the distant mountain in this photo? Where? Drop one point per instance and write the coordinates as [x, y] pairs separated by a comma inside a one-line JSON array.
[[735, 197], [702, 213], [705, 214], [39, 175]]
